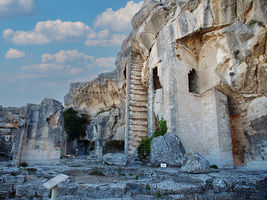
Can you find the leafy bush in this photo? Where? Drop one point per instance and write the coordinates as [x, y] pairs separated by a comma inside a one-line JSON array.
[[74, 126], [214, 166], [144, 147], [23, 164], [163, 128], [97, 173]]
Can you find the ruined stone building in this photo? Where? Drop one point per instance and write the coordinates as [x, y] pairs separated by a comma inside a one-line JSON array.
[[202, 66], [199, 64]]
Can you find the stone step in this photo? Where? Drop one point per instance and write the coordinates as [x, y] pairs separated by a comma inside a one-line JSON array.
[[135, 77], [133, 91], [138, 122], [141, 115], [138, 108], [136, 73], [138, 128], [139, 97], [135, 82], [137, 87], [135, 102]]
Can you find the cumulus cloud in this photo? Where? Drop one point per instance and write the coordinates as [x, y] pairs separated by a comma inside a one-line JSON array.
[[48, 31], [114, 40], [69, 62], [14, 53], [67, 56], [118, 20], [104, 62], [12, 8]]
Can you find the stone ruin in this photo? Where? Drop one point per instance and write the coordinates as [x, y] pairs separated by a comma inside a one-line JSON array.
[[201, 65]]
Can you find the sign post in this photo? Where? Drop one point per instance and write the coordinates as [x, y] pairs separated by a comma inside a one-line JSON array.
[[53, 183]]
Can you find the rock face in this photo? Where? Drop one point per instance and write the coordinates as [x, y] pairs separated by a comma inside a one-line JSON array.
[[9, 120], [202, 66], [167, 149], [94, 96], [40, 137], [100, 101], [115, 159], [196, 164], [105, 128]]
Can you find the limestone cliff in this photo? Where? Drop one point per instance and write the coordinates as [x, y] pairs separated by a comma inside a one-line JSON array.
[[40, 138], [202, 66], [94, 96], [9, 120], [100, 101]]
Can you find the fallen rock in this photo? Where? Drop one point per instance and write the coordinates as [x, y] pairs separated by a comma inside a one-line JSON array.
[[196, 164], [115, 159], [167, 149]]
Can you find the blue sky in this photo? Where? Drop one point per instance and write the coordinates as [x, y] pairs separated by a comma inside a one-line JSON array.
[[47, 44]]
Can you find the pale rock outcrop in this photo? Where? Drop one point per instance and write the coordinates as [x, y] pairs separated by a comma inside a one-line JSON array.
[[115, 159], [195, 164], [202, 65], [167, 149], [106, 127], [9, 120], [94, 96], [40, 137]]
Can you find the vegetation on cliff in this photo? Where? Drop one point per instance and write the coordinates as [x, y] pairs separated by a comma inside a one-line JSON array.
[[144, 147], [74, 125]]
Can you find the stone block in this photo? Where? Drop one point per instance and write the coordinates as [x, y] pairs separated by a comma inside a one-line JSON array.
[[196, 164], [167, 149], [115, 159]]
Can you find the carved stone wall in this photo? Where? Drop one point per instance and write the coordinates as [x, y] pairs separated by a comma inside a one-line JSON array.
[[225, 43]]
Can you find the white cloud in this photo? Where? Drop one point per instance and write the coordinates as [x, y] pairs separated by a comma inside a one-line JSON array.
[[43, 67], [14, 53], [118, 20], [48, 31], [69, 62], [105, 62], [12, 8], [67, 56], [115, 40]]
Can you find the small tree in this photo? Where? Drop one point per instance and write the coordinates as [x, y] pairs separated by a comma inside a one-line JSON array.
[[74, 125]]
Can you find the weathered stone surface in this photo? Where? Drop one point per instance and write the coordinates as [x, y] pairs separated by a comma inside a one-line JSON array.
[[225, 43], [41, 137], [167, 149], [196, 164], [9, 121], [94, 96], [115, 159]]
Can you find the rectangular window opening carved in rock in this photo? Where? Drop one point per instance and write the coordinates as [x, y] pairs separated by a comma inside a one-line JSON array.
[[193, 82], [156, 81]]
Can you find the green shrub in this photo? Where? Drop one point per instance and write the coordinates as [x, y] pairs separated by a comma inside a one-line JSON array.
[[147, 187], [157, 194], [214, 166], [32, 170], [74, 125], [144, 148], [97, 173], [136, 177], [23, 164]]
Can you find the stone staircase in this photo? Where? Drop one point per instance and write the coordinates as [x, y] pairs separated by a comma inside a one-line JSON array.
[[137, 108]]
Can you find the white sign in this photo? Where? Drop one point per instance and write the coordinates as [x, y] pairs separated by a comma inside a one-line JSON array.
[[55, 181], [163, 165]]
